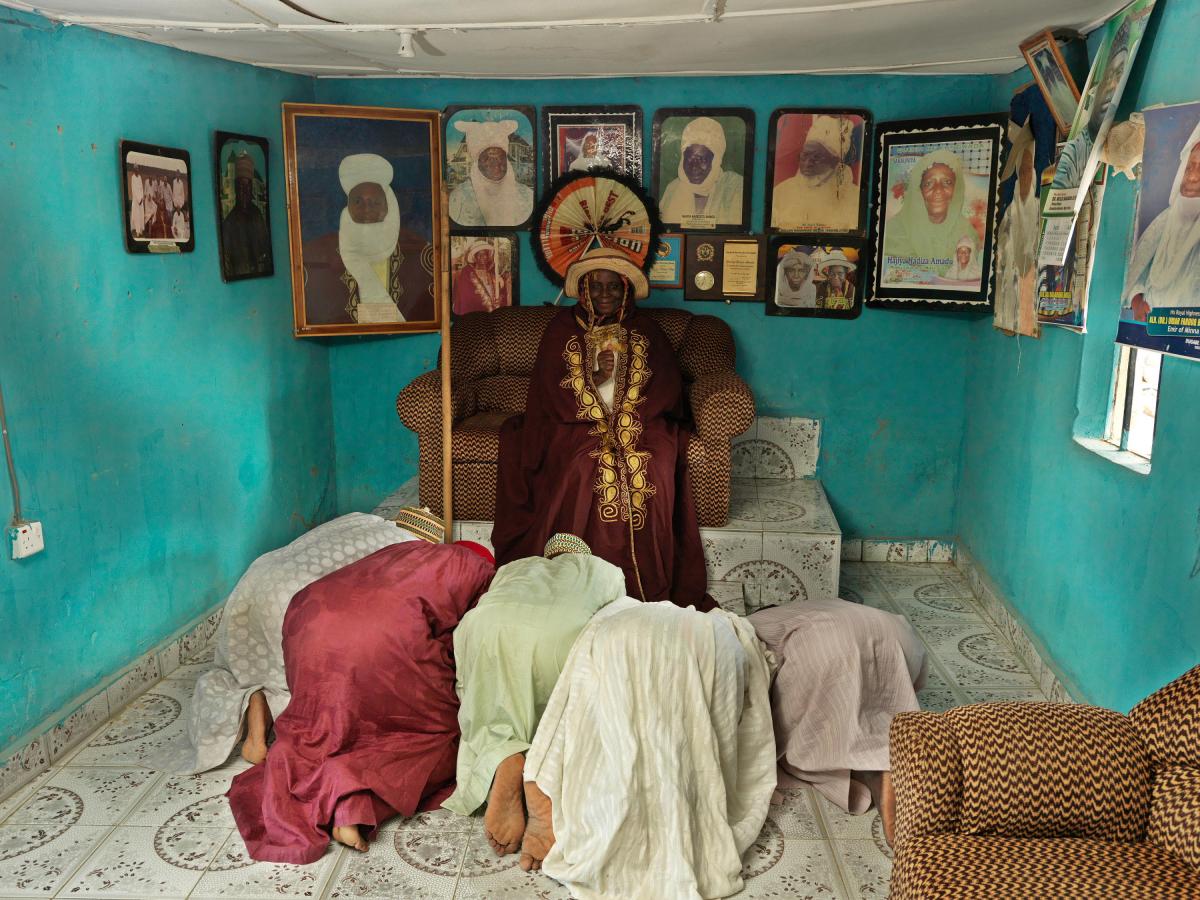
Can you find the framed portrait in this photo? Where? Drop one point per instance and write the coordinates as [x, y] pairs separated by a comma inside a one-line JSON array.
[[815, 275], [243, 207], [364, 223], [667, 269], [581, 138], [483, 272], [491, 166], [703, 160], [1052, 77], [157, 186], [936, 195], [816, 162]]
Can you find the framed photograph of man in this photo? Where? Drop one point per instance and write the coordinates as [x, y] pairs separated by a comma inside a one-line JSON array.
[[815, 275], [364, 188], [157, 187], [1053, 78], [815, 168], [483, 272], [581, 138], [243, 207], [491, 166], [936, 195], [703, 160]]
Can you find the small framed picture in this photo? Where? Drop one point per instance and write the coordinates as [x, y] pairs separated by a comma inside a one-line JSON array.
[[483, 272], [703, 160], [936, 196], [1053, 77], [580, 138], [364, 186], [491, 166], [815, 275], [157, 184], [667, 269], [243, 207], [724, 267], [815, 168]]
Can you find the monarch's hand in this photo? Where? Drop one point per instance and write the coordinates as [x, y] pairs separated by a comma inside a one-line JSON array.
[[1141, 309], [606, 362]]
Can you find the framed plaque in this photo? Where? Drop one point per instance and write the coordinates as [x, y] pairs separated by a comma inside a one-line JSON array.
[[724, 267], [667, 269]]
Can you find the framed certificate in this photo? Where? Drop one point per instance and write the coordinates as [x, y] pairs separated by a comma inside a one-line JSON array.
[[667, 269], [724, 267]]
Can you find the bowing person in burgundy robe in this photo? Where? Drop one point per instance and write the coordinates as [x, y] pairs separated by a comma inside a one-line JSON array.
[[372, 727], [601, 449]]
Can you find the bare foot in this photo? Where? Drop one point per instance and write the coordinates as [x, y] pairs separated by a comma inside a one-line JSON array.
[[887, 809], [258, 724], [350, 836], [504, 821], [539, 832]]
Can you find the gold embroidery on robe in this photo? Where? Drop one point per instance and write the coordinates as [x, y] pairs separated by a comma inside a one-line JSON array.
[[622, 485]]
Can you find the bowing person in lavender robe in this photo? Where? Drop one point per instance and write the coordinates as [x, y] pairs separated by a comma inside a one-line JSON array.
[[601, 449], [372, 727]]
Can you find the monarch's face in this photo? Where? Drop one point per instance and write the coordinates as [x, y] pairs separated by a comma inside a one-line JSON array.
[[815, 160], [697, 163], [1190, 187], [367, 203], [937, 189], [606, 290], [493, 163], [797, 274]]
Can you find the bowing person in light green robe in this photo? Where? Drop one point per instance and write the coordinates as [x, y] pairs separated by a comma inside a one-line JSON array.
[[509, 651]]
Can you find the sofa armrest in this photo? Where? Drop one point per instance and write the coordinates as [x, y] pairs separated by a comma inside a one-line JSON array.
[[419, 405], [722, 405], [1025, 770], [926, 776]]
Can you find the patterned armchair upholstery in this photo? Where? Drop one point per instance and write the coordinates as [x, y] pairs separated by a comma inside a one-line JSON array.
[[1043, 800], [492, 359]]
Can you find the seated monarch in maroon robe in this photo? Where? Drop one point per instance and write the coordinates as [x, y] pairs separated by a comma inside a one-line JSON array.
[[601, 449], [372, 727]]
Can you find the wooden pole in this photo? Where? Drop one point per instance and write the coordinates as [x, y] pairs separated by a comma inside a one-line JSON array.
[[447, 410]]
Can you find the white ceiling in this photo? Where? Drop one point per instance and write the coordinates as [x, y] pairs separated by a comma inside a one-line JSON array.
[[546, 38]]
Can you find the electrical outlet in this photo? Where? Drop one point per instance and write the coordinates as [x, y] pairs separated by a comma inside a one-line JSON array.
[[26, 539]]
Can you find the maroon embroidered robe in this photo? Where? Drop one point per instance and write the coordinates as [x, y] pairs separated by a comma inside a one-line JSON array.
[[616, 479]]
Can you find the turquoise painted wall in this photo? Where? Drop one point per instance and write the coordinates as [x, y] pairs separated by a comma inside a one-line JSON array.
[[888, 386], [1103, 564], [167, 427]]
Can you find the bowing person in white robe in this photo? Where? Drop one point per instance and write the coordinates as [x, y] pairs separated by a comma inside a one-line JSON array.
[[654, 761]]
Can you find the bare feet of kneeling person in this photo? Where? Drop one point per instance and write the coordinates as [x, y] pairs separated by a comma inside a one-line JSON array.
[[504, 820], [350, 836], [258, 724], [539, 832]]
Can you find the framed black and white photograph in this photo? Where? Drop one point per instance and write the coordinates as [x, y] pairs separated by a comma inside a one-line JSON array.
[[582, 138], [157, 187], [243, 207], [815, 275], [703, 161], [491, 166], [936, 195]]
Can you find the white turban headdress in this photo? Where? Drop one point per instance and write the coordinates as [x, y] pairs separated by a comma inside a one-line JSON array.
[[362, 244], [499, 202]]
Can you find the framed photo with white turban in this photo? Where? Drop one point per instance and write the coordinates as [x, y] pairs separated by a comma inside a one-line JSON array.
[[583, 138], [936, 197], [816, 168], [491, 166], [703, 160], [483, 272], [157, 188], [815, 275], [364, 188]]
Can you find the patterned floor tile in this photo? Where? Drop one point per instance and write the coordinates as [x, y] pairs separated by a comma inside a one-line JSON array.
[[233, 874], [931, 603], [196, 801], [143, 674], [415, 865], [21, 794], [84, 795], [858, 583], [147, 862], [975, 656], [937, 695], [841, 825], [775, 868], [730, 596], [485, 875], [867, 870], [1023, 695], [24, 766], [437, 820], [795, 815], [78, 725], [727, 553], [925, 585], [798, 438], [36, 860], [802, 567], [143, 728]]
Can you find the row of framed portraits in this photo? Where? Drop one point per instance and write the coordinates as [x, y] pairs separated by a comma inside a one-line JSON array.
[[701, 168]]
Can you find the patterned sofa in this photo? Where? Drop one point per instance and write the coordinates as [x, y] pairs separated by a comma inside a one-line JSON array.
[[1039, 800], [492, 357]]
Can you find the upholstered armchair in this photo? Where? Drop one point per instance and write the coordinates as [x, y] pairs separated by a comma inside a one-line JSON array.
[[492, 359], [1030, 801]]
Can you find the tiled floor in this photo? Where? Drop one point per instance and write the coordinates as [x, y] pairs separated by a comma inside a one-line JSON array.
[[93, 828]]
